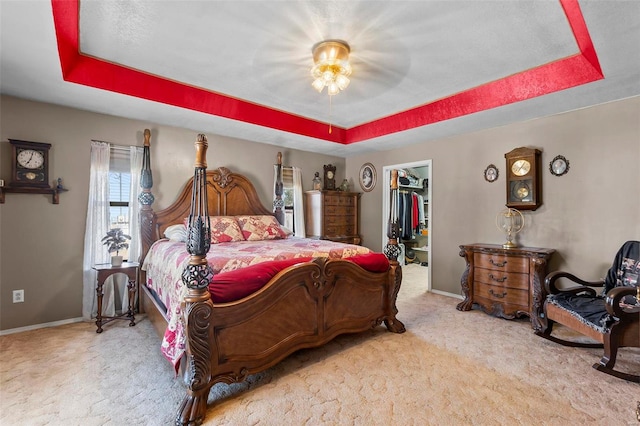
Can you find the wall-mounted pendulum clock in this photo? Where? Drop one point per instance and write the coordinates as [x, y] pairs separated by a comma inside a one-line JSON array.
[[29, 164], [30, 170], [524, 188]]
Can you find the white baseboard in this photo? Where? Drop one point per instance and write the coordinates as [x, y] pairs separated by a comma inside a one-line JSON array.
[[37, 326], [444, 293]]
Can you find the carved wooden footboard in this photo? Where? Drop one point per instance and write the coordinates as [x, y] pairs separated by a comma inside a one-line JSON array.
[[303, 306], [306, 306]]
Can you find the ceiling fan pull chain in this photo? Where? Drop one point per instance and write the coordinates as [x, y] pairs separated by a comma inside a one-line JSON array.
[[330, 113]]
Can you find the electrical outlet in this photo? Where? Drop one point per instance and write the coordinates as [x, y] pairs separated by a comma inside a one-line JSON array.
[[18, 296]]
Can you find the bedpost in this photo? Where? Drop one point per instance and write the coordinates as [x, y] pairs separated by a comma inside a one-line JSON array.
[[278, 202], [392, 250], [146, 199], [198, 307]]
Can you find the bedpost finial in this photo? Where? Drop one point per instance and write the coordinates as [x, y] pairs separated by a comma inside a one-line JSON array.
[[147, 137], [394, 179], [201, 151], [279, 158]]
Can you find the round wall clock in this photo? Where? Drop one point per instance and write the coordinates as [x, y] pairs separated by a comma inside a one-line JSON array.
[[559, 166], [491, 173]]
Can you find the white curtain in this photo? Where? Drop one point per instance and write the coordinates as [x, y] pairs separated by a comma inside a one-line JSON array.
[[135, 245], [298, 206], [97, 225]]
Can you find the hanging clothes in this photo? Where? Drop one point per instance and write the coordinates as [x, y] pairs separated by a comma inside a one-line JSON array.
[[415, 221], [405, 215]]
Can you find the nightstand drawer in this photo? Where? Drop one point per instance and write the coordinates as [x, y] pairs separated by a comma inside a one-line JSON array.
[[501, 278], [503, 295], [501, 262]]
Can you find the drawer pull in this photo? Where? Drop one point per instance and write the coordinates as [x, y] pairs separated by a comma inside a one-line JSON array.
[[500, 280], [499, 264], [499, 296]]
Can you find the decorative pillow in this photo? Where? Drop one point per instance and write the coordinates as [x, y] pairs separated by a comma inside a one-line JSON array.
[[258, 228], [224, 229], [176, 233]]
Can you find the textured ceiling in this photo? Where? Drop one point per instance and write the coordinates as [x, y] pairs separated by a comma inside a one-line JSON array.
[[422, 69]]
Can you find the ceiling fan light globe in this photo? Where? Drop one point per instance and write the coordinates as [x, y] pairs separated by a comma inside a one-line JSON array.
[[318, 84], [333, 89], [342, 81]]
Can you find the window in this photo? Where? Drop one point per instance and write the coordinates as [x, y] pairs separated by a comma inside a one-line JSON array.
[[287, 197], [119, 191]]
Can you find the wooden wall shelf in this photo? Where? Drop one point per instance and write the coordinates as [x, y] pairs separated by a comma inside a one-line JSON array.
[[55, 192]]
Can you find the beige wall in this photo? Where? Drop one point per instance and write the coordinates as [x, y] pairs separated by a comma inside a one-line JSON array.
[[586, 214], [41, 244]]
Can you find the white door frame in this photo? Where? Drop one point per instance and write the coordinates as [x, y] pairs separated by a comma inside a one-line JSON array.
[[386, 181]]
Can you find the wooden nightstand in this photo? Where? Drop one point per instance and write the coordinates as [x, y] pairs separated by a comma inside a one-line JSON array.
[[506, 283], [130, 269]]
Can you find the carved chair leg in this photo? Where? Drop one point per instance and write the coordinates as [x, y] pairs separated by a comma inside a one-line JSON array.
[[608, 360], [547, 327], [610, 351]]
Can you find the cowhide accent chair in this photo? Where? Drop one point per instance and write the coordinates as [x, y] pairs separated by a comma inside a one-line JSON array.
[[611, 318]]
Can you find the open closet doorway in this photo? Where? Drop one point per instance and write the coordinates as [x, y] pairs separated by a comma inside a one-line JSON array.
[[415, 240]]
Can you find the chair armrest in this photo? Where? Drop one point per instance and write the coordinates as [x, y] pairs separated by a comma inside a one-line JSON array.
[[612, 302], [585, 287]]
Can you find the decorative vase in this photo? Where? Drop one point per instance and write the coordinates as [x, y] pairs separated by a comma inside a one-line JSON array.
[[116, 260], [317, 183], [344, 186]]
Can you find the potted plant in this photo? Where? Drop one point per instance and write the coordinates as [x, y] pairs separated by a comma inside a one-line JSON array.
[[116, 240]]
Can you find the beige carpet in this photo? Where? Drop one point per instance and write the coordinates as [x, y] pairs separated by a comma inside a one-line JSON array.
[[449, 368]]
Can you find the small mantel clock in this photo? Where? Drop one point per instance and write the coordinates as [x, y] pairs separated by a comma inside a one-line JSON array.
[[329, 177], [524, 188]]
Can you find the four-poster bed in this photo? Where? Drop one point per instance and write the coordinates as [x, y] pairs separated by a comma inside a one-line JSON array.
[[309, 299]]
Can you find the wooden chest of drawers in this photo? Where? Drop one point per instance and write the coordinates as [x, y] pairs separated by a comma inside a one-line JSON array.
[[506, 283], [332, 215]]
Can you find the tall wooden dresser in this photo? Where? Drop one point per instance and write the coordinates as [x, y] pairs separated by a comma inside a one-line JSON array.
[[506, 283], [332, 215]]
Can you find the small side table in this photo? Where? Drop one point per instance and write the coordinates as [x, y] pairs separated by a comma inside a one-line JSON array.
[[130, 269]]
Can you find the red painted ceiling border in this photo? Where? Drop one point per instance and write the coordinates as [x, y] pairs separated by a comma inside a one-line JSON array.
[[564, 73]]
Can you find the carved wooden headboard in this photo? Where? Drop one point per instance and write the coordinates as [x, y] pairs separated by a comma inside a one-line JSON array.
[[228, 194]]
